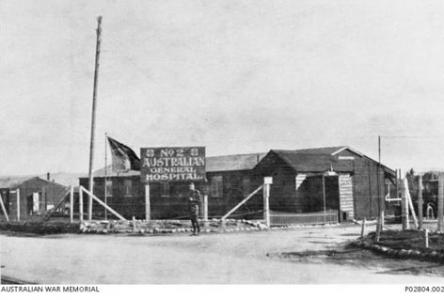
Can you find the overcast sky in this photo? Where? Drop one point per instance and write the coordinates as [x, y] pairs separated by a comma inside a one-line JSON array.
[[234, 76]]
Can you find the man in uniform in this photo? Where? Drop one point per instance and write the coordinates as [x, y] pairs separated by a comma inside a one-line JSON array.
[[194, 199]]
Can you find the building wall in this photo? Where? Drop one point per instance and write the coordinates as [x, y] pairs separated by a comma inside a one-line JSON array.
[[126, 195], [357, 192], [365, 185], [283, 195], [346, 200], [302, 192], [236, 186], [48, 193]]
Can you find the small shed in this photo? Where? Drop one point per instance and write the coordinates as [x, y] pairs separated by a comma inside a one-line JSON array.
[[27, 197]]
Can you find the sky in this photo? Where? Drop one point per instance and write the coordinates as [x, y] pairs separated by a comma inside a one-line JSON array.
[[236, 76]]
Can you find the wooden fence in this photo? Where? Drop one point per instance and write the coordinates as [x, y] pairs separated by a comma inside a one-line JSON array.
[[286, 218]]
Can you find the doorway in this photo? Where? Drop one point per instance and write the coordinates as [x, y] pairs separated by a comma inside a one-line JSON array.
[[332, 192]]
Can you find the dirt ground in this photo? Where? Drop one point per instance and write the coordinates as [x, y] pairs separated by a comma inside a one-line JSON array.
[[302, 255]]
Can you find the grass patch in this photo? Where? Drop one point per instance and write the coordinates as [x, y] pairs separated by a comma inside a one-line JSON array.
[[40, 228]]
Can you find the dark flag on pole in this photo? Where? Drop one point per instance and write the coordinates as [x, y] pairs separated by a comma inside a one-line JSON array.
[[123, 157]]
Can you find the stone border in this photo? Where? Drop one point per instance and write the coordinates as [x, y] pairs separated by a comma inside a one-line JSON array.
[[140, 227], [432, 255], [292, 226], [212, 226]]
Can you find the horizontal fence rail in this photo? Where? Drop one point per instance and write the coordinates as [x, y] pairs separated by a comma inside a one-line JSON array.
[[284, 218]]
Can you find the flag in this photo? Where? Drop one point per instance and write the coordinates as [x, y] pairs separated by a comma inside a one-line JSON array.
[[123, 157]]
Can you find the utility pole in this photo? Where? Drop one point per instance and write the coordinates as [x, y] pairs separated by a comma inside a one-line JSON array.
[[105, 192], [93, 119], [420, 203], [440, 202], [380, 198]]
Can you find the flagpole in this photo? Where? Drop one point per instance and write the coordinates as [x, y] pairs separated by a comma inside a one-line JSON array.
[[93, 120], [106, 173]]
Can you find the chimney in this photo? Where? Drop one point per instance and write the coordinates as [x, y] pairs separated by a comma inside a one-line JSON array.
[[48, 176]]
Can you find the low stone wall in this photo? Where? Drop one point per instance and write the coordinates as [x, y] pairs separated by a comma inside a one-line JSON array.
[[143, 227], [168, 226]]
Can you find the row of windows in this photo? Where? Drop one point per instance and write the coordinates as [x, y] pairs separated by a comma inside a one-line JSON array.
[[216, 187], [128, 189]]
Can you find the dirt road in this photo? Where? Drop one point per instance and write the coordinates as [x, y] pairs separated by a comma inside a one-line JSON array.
[[213, 258]]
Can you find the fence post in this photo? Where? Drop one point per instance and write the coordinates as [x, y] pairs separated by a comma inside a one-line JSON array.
[[17, 193], [267, 182], [134, 223], [404, 206], [90, 205], [71, 204], [4, 209], [80, 204], [420, 203], [440, 201], [426, 238], [205, 208], [147, 202], [363, 228], [324, 199]]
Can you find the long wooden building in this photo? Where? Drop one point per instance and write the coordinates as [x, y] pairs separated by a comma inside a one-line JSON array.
[[336, 181]]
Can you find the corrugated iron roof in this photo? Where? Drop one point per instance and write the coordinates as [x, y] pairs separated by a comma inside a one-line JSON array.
[[313, 162], [111, 173], [321, 150], [304, 160], [12, 182], [223, 163], [235, 162]]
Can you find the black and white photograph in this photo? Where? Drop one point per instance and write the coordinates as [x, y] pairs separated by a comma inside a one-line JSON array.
[[224, 142]]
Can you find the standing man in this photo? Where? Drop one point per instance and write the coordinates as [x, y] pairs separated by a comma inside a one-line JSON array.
[[194, 199]]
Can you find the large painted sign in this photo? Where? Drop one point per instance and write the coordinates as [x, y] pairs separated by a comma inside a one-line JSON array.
[[172, 164]]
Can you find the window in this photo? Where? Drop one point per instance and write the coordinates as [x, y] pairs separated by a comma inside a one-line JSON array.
[[128, 187], [109, 188], [165, 190], [216, 188], [246, 186]]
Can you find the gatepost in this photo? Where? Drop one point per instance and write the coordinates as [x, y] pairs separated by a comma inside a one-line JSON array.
[[147, 202], [205, 192], [267, 182]]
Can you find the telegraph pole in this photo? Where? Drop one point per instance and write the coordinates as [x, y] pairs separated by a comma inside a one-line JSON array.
[[105, 192], [380, 198], [93, 118]]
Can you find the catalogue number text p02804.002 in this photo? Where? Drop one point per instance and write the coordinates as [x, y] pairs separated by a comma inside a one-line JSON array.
[[424, 289]]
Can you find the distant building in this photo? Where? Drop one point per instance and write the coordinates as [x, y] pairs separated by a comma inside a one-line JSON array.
[[35, 196], [308, 184]]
